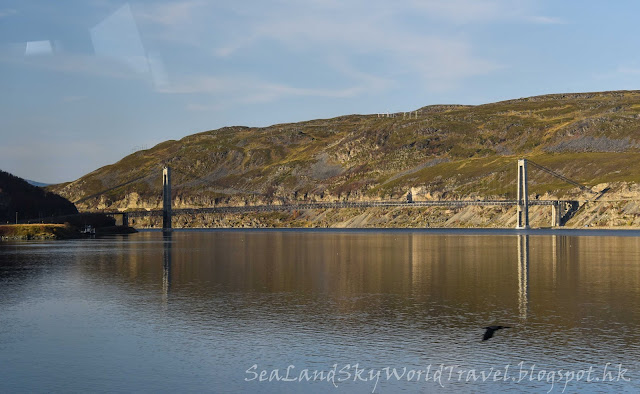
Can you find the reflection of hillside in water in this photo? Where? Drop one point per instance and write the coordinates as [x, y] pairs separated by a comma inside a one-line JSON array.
[[406, 276], [391, 295]]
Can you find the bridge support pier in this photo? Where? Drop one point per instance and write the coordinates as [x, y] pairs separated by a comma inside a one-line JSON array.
[[122, 218], [166, 199], [523, 196], [556, 214]]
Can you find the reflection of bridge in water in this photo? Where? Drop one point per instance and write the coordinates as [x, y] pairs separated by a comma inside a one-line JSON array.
[[523, 275], [167, 242], [561, 210], [559, 255], [410, 263]]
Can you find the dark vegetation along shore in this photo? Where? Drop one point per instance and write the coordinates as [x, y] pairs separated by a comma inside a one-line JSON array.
[[441, 152], [46, 231], [28, 201], [63, 227], [42, 214]]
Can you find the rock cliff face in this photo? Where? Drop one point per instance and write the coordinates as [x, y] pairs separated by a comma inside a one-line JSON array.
[[447, 152], [621, 209]]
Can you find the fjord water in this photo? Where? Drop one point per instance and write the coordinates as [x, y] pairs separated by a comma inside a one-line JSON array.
[[208, 311]]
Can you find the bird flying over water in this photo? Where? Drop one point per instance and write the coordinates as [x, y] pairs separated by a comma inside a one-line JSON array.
[[490, 330]]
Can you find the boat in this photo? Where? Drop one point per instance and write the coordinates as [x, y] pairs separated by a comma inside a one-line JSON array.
[[88, 230]]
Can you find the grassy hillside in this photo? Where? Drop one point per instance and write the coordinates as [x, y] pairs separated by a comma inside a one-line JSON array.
[[37, 231], [446, 152]]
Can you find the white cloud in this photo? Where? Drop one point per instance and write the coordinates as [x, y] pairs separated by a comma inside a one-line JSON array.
[[441, 61], [452, 11], [201, 84], [270, 92], [440, 58], [178, 13], [187, 23], [468, 11], [250, 90]]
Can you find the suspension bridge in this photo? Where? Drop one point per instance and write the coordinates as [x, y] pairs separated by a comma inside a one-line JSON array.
[[561, 210]]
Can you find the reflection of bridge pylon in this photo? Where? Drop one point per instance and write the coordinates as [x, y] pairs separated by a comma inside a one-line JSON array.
[[166, 267], [523, 275]]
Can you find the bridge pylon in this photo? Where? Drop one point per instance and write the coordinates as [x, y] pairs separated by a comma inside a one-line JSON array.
[[523, 196], [166, 199]]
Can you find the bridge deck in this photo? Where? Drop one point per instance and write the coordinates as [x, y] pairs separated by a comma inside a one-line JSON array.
[[328, 205]]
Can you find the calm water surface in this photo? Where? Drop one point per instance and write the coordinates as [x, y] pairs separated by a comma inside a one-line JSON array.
[[210, 310]]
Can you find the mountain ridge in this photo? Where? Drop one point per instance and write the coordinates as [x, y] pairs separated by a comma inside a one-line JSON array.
[[449, 151]]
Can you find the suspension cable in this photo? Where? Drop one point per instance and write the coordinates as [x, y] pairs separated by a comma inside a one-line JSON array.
[[83, 199], [560, 176]]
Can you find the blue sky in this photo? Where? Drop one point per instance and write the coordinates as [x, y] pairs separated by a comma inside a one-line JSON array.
[[86, 82]]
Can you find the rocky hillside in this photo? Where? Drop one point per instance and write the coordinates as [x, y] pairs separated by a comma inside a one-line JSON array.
[[449, 151]]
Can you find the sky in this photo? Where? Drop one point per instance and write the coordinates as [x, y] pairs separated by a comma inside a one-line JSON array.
[[86, 82]]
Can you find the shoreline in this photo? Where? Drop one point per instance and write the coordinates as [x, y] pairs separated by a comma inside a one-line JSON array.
[[41, 232], [433, 230], [54, 231]]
